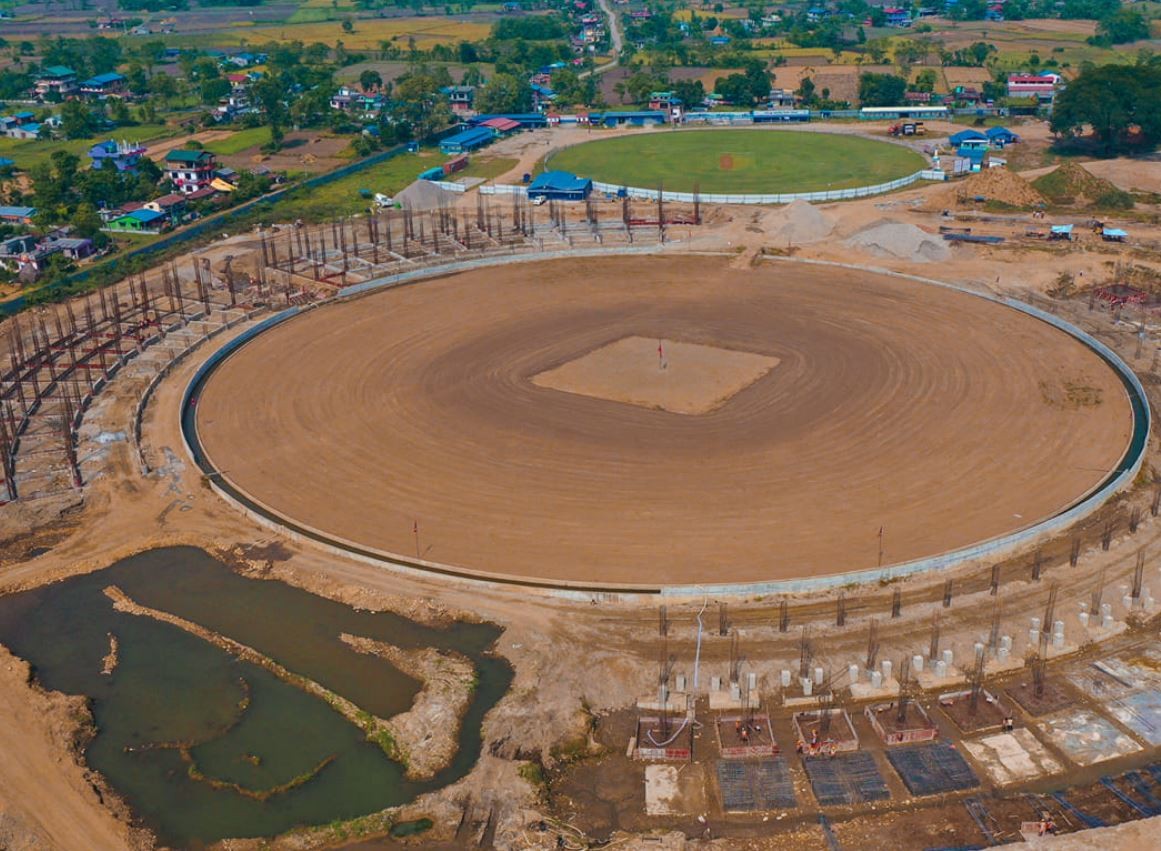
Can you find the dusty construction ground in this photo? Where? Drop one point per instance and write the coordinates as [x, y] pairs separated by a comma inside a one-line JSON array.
[[942, 417], [602, 655]]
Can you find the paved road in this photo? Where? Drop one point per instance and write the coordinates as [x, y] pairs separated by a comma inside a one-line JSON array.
[[614, 35]]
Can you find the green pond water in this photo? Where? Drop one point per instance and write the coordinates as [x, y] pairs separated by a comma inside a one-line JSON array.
[[248, 727]]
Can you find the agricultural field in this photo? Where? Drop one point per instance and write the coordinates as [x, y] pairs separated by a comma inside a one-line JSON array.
[[751, 161], [368, 34]]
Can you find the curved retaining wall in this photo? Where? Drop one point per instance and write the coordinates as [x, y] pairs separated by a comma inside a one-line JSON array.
[[1121, 476]]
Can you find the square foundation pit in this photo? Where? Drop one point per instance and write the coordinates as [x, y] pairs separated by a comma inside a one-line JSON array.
[[663, 375], [1086, 737], [1012, 757]]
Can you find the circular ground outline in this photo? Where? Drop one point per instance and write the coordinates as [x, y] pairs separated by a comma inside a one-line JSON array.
[[1123, 472]]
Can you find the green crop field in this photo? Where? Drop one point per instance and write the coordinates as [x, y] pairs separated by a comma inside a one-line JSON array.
[[751, 161]]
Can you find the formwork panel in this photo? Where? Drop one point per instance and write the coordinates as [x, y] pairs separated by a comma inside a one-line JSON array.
[[933, 769], [851, 778]]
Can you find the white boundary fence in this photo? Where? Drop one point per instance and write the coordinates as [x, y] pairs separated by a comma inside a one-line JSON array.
[[711, 198]]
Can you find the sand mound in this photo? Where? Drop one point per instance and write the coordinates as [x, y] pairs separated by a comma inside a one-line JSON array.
[[889, 238], [425, 195], [798, 223], [993, 184], [1072, 183]]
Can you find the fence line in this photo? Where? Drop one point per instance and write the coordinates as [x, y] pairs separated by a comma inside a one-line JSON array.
[[640, 194]]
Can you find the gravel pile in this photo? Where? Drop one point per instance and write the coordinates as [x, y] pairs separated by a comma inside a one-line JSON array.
[[798, 223], [889, 238]]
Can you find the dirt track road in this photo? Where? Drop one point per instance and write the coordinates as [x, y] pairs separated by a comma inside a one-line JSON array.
[[893, 404]]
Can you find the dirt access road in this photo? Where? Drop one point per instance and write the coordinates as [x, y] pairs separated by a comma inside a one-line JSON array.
[[944, 418]]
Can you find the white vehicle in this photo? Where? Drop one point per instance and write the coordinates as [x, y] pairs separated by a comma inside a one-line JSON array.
[[382, 201], [539, 199]]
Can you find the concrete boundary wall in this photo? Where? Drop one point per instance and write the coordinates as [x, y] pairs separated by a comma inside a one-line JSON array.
[[1119, 478], [712, 198]]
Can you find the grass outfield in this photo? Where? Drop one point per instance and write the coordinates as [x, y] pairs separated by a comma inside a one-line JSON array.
[[750, 161]]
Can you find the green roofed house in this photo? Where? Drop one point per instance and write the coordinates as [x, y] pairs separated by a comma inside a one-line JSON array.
[[139, 221], [56, 80], [190, 171]]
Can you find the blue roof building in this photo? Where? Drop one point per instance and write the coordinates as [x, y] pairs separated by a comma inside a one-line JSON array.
[[637, 118], [560, 186], [1001, 136], [467, 140], [965, 136], [20, 215]]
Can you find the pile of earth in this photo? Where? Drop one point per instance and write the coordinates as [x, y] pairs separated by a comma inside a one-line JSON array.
[[992, 184], [1071, 183], [798, 223], [888, 238], [425, 195]]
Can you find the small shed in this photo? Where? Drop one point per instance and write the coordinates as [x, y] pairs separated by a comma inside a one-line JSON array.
[[1061, 232], [1114, 235], [560, 186]]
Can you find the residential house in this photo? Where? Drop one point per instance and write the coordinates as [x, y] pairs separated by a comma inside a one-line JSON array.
[[190, 171], [17, 215], [18, 252], [461, 98], [74, 248], [966, 94], [172, 205], [139, 221], [780, 98], [24, 131], [123, 156], [663, 100], [897, 17], [104, 86], [56, 80], [1040, 86]]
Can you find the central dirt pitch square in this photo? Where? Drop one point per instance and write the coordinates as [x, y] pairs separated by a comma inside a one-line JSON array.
[[682, 378]]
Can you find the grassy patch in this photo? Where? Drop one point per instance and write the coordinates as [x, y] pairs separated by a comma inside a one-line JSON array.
[[750, 161], [240, 141], [341, 197]]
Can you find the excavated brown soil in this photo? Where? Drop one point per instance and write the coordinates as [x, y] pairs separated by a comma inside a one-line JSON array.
[[927, 412]]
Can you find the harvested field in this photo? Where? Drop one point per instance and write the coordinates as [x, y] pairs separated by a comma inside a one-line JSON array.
[[353, 420]]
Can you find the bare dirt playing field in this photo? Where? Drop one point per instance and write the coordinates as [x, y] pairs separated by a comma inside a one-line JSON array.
[[942, 418]]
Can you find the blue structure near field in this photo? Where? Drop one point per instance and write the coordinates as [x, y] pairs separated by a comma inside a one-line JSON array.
[[467, 140], [750, 786], [560, 186], [635, 118], [933, 769], [524, 119], [850, 778]]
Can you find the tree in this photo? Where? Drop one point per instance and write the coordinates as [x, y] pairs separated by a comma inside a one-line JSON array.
[[1121, 103], [348, 25], [881, 89], [214, 90], [77, 120], [87, 223], [371, 80], [1124, 26], [504, 93]]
